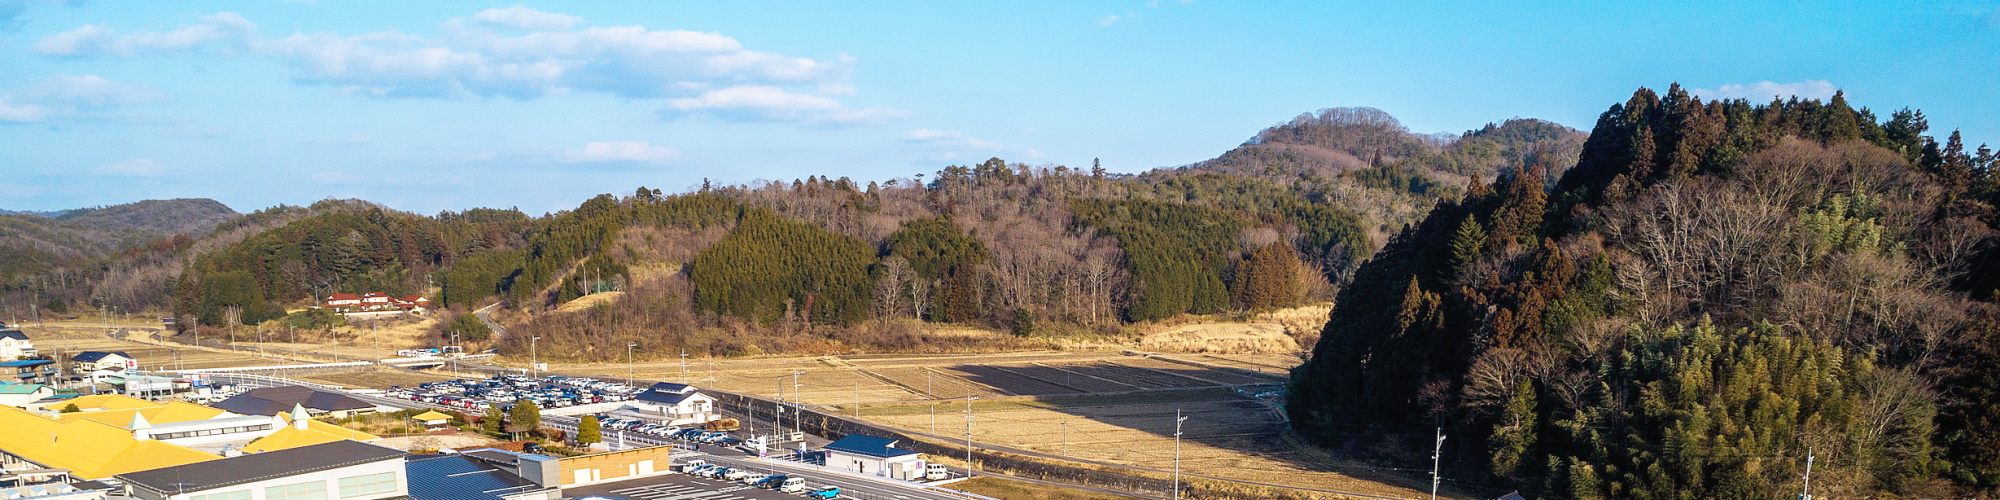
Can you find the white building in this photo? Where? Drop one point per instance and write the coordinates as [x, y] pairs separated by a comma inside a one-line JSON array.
[[675, 404], [15, 345], [345, 470], [874, 455], [90, 361]]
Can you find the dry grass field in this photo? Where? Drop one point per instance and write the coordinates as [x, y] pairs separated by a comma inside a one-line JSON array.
[[378, 378], [72, 339]]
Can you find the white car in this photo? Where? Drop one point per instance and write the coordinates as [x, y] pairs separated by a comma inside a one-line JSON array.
[[793, 485]]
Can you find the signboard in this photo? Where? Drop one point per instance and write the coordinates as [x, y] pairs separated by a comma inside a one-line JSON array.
[[131, 365]]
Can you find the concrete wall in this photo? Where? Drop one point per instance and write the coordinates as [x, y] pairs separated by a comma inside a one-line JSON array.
[[615, 466]]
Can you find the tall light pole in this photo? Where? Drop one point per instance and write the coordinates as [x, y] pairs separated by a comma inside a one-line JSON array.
[[534, 358], [1065, 446], [1435, 454], [1178, 419], [631, 377], [454, 361], [798, 419], [968, 434], [778, 409]]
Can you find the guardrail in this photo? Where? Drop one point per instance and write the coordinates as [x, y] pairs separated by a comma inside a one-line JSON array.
[[271, 368]]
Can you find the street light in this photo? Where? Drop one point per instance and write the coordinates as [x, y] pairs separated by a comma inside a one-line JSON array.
[[454, 361], [1177, 453], [534, 360], [968, 434], [630, 378]]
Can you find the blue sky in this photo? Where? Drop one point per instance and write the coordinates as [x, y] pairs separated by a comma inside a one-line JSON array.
[[436, 105]]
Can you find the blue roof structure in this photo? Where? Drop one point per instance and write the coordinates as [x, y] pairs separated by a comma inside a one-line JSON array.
[[667, 393], [459, 477], [13, 334], [868, 445], [94, 356]]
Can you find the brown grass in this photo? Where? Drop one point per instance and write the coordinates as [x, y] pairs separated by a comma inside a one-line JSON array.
[[1010, 489]]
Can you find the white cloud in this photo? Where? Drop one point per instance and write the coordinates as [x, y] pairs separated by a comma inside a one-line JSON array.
[[20, 113], [1765, 91], [92, 40], [91, 91], [947, 139], [1109, 20], [526, 18], [767, 103], [549, 54], [137, 167], [620, 151]]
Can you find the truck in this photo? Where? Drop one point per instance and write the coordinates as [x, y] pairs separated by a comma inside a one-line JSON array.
[[935, 472], [824, 492]]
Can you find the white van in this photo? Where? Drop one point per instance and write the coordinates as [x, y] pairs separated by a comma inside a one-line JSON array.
[[936, 472], [692, 465], [793, 485]]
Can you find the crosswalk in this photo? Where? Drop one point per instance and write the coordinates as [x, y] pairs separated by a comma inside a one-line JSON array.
[[680, 492]]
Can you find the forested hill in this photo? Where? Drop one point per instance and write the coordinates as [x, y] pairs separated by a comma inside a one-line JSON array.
[[1715, 292], [1365, 159], [36, 243], [195, 216], [822, 264]]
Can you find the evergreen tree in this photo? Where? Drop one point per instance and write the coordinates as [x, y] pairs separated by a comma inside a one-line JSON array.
[[524, 416], [491, 422], [1467, 245], [588, 431]]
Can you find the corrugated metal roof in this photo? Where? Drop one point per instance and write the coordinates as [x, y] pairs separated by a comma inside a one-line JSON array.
[[260, 466]]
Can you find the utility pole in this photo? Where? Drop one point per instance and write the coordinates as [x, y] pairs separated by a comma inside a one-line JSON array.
[[968, 434], [798, 419], [1806, 492], [631, 377], [534, 358], [857, 399], [1178, 419], [778, 409], [1435, 454], [684, 366], [927, 392], [1065, 446], [454, 361]]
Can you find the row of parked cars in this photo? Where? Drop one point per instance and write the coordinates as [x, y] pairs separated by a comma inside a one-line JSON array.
[[504, 390], [693, 435], [779, 482]]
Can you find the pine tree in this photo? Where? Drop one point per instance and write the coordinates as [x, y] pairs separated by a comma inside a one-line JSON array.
[[1467, 245]]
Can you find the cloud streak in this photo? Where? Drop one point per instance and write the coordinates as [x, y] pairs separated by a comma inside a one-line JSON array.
[[1762, 91], [521, 53], [620, 151], [768, 103]]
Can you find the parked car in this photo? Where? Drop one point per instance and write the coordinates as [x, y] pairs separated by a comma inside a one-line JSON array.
[[792, 484], [824, 492], [691, 465], [733, 474], [754, 478], [936, 472]]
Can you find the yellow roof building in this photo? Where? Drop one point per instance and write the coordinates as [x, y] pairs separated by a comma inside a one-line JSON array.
[[431, 416], [116, 434]]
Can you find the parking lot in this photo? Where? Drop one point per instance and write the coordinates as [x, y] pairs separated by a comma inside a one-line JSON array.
[[677, 487], [503, 390]]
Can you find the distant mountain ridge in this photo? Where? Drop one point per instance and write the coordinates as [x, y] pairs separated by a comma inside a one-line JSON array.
[[196, 216]]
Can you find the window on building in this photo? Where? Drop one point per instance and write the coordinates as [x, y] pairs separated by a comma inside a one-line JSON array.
[[367, 485], [227, 495], [315, 490]]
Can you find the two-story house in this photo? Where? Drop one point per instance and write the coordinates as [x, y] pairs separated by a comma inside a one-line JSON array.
[[15, 345]]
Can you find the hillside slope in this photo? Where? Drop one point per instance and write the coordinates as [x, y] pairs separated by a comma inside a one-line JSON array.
[[1716, 291]]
